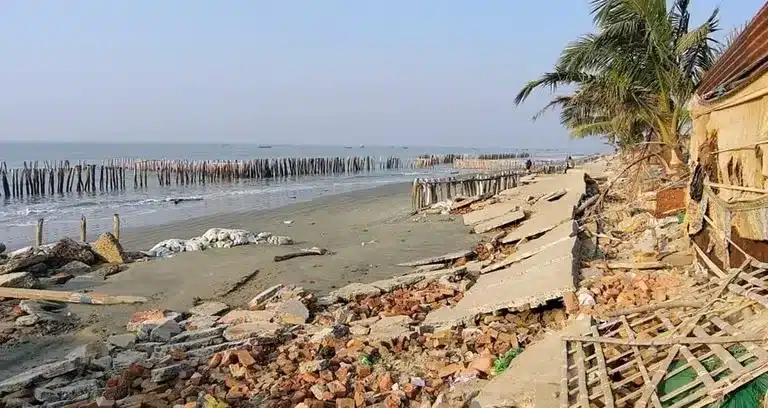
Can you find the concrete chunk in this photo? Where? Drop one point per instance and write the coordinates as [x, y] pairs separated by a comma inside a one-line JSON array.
[[247, 316], [261, 330], [499, 221], [209, 309], [292, 312], [355, 290], [29, 377], [490, 212], [259, 300], [23, 280], [533, 281], [439, 259]]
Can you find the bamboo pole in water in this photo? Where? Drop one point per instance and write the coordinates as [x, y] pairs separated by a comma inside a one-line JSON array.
[[39, 232], [116, 226]]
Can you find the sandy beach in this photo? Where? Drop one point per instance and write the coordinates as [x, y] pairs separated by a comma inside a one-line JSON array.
[[378, 217]]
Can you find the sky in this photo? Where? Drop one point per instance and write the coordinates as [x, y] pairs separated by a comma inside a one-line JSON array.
[[427, 72]]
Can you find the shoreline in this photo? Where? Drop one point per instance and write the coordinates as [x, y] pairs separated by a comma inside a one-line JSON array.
[[145, 237]]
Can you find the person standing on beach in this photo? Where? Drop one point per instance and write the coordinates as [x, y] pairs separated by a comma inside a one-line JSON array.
[[528, 165]]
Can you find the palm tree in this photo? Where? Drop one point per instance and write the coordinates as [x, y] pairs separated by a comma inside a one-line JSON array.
[[634, 75]]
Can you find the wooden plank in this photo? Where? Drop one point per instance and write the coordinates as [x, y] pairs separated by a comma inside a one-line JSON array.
[[564, 381], [728, 328], [711, 265], [91, 298], [722, 354], [605, 383], [582, 375]]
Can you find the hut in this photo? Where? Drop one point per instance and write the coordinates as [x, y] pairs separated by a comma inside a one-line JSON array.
[[728, 192]]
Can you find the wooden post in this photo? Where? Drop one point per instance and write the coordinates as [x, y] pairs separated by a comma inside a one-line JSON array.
[[116, 226], [83, 225], [39, 232]]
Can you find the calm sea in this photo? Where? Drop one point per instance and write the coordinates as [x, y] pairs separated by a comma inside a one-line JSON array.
[[146, 207]]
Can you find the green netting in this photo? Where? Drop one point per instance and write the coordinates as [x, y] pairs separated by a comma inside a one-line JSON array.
[[749, 396]]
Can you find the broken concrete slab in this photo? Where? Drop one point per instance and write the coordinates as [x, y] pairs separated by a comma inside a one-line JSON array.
[[291, 312], [355, 290], [389, 328], [23, 280], [247, 316], [464, 203], [46, 371], [22, 261], [259, 300], [388, 285], [520, 384], [500, 221], [259, 330], [554, 195], [209, 309], [531, 248], [490, 212], [439, 259], [532, 282]]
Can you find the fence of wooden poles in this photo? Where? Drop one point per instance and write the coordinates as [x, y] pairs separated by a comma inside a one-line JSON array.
[[35, 179], [39, 226]]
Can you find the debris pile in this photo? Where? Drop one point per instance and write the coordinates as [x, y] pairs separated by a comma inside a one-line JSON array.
[[216, 238]]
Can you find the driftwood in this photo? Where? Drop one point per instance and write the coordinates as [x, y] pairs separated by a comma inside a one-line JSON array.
[[668, 342], [586, 204], [650, 308], [69, 297], [303, 252]]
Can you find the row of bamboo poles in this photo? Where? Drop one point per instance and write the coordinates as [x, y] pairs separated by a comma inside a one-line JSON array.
[[497, 164], [36, 179], [428, 191], [83, 229], [33, 180]]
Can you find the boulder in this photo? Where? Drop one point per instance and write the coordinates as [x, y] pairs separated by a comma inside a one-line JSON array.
[[67, 250], [23, 280], [108, 248], [74, 268], [22, 261], [123, 341]]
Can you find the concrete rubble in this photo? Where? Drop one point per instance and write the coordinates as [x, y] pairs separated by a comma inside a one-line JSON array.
[[475, 327]]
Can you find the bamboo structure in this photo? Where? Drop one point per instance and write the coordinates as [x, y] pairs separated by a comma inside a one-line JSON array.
[[40, 179]]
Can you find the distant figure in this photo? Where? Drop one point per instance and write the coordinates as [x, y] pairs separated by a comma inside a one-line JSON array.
[[528, 165]]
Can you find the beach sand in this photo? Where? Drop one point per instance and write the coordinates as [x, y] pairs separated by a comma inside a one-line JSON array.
[[378, 217]]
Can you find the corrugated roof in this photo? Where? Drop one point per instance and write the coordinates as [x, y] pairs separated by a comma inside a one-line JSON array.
[[748, 52]]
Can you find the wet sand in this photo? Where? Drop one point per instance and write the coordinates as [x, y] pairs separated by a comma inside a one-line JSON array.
[[378, 217]]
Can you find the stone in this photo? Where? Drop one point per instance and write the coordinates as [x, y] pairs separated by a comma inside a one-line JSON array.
[[22, 261], [292, 312], [165, 329], [90, 387], [279, 240], [68, 249], [247, 316], [23, 280], [2, 248], [261, 330], [38, 269], [102, 402], [103, 363], [390, 328], [139, 318], [123, 341], [356, 290], [89, 351], [199, 322], [345, 403], [47, 371], [313, 366], [259, 300], [483, 364], [108, 248], [318, 391], [74, 268], [197, 334], [125, 358], [166, 373], [209, 309], [56, 279]]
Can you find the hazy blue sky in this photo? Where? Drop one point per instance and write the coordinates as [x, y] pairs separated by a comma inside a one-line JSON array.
[[426, 72]]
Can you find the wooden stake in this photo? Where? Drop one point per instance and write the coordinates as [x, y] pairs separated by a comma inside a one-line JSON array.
[[669, 342], [83, 226], [39, 232], [116, 226]]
